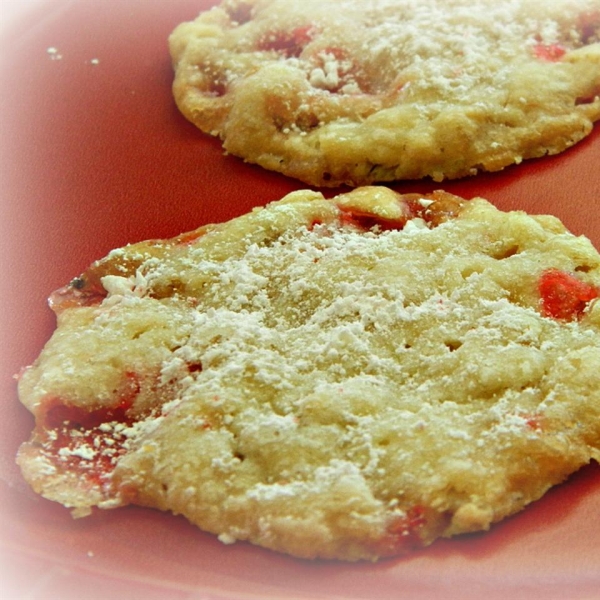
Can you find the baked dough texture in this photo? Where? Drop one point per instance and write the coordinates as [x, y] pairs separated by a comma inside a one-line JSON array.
[[346, 378], [359, 91]]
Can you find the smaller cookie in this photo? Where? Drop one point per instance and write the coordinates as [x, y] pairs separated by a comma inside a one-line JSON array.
[[351, 92], [348, 378]]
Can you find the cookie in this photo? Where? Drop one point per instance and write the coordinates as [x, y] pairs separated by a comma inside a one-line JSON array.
[[350, 92], [348, 378]]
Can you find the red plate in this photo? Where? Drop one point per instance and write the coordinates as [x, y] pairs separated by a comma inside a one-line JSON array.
[[95, 155]]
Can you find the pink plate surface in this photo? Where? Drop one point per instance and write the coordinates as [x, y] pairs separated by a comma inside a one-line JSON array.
[[96, 155]]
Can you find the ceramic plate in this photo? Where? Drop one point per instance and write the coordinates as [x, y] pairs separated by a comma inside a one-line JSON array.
[[96, 155]]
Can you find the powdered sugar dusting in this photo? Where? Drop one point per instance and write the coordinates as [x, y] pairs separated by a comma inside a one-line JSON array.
[[315, 308], [448, 43], [295, 356]]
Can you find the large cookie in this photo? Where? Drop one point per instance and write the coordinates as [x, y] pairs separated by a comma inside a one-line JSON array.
[[349, 91], [346, 378]]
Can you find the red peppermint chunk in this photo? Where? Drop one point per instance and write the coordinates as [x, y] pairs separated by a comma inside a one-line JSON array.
[[404, 533], [190, 237], [85, 290], [84, 441], [535, 422], [549, 52], [289, 43], [54, 412], [563, 296]]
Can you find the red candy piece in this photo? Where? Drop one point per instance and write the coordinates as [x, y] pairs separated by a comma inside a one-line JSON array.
[[288, 43], [190, 237], [563, 296], [549, 52], [535, 422], [73, 439], [404, 533], [86, 290]]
